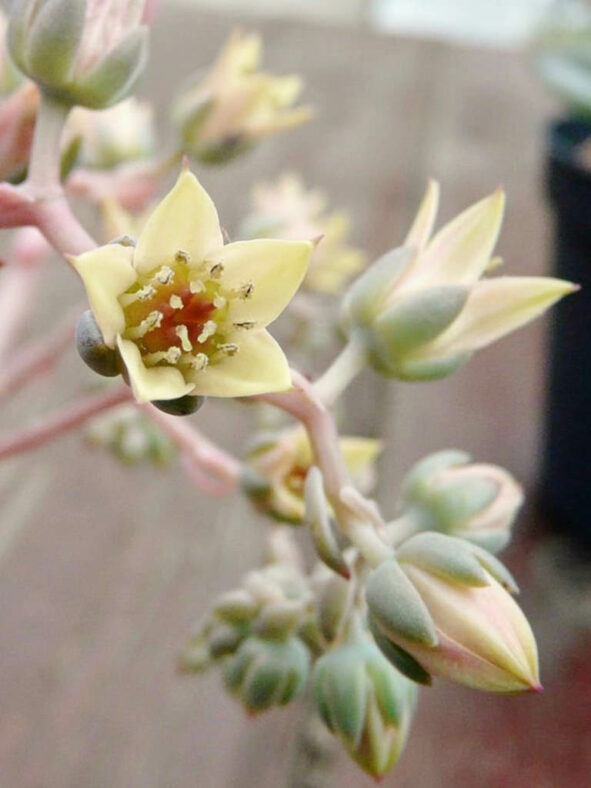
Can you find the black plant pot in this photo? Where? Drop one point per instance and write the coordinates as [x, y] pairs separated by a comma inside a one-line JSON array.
[[566, 473]]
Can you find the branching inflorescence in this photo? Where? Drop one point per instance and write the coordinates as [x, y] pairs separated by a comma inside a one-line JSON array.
[[181, 316]]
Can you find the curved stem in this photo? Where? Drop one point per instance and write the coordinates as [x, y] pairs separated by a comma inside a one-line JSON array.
[[64, 420], [343, 370], [303, 403], [44, 165]]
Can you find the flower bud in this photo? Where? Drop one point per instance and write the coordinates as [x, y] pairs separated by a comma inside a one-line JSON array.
[[224, 113], [478, 636], [366, 702], [477, 502], [92, 348], [267, 672], [87, 52], [422, 310]]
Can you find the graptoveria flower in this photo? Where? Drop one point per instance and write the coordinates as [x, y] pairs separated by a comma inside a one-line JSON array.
[[187, 313], [87, 52], [280, 464], [235, 104], [422, 310], [286, 209], [441, 608]]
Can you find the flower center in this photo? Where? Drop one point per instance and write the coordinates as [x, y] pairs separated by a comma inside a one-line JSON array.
[[178, 314]]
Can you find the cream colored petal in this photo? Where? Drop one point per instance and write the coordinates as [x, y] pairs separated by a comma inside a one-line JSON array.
[[422, 227], [107, 272], [151, 383], [274, 268], [359, 452], [460, 252], [186, 220], [258, 367], [494, 308]]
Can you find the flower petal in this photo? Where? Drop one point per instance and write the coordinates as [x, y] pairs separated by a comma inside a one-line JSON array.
[[151, 383], [358, 453], [186, 220], [422, 227], [460, 252], [107, 272], [275, 268], [494, 308], [258, 367]]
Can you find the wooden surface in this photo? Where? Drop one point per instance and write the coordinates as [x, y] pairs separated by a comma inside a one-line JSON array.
[[100, 585]]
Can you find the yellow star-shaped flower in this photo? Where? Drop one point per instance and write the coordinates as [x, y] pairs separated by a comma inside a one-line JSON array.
[[188, 313]]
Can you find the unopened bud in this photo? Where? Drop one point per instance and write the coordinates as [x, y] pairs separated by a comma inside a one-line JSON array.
[[478, 635]]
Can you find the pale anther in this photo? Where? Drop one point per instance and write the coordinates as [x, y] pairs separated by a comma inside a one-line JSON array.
[[175, 301], [219, 301], [183, 334], [143, 294], [196, 286], [165, 275], [171, 356], [216, 271], [229, 348], [208, 330], [200, 361], [149, 323], [247, 324], [182, 257]]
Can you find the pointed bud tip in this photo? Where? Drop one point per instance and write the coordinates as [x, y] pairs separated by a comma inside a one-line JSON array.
[[538, 688], [185, 163], [315, 241]]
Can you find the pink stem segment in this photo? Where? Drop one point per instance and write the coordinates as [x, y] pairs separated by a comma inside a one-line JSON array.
[[64, 420]]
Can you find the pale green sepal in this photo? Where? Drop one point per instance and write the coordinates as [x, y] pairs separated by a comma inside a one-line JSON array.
[[334, 602], [393, 691], [445, 556], [416, 482], [19, 22], [498, 570], [417, 318], [224, 639], [435, 369], [340, 679], [367, 294], [116, 73], [54, 40], [461, 499], [236, 607], [278, 620], [492, 541], [401, 660], [397, 606], [318, 522]]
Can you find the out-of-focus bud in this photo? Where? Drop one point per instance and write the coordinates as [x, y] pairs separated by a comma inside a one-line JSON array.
[[472, 631], [286, 209], [223, 114], [445, 492], [366, 702], [278, 464], [181, 406], [10, 78], [267, 672], [87, 52], [113, 136], [318, 522], [422, 310], [131, 436], [334, 597], [17, 124]]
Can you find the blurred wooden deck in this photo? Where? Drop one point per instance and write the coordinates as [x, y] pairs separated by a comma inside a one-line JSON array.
[[100, 586]]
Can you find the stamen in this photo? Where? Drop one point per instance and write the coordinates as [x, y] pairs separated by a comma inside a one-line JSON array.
[[165, 275], [149, 323], [216, 270], [182, 257], [196, 286], [183, 334], [208, 330], [219, 301], [171, 356], [199, 361], [229, 348], [247, 290], [175, 301], [247, 324], [143, 294]]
